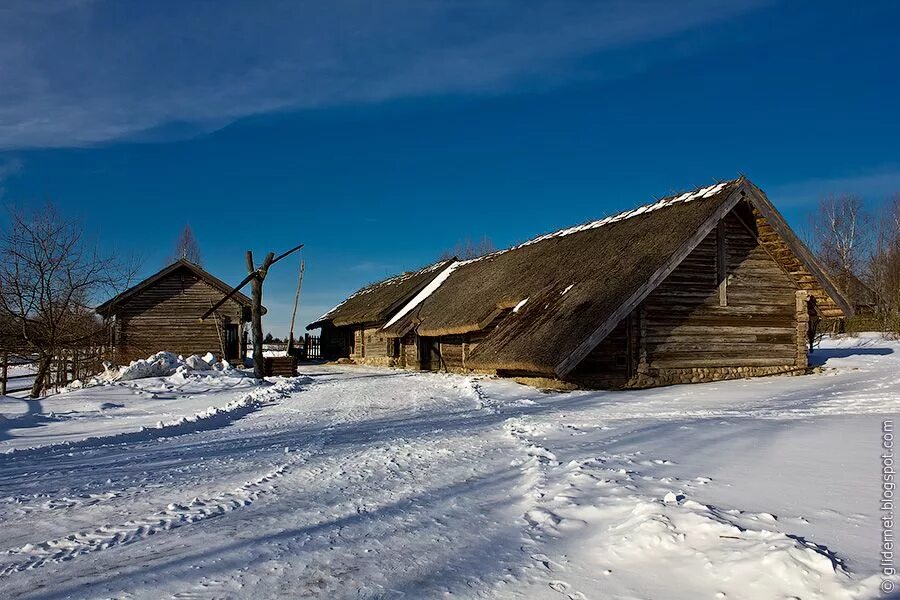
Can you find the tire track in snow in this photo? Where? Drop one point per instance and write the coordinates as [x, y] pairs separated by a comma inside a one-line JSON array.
[[173, 516]]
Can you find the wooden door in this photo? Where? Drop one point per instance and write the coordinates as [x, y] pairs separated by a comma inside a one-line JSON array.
[[429, 353], [232, 342]]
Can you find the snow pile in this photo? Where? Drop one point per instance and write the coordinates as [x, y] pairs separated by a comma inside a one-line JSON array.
[[161, 364]]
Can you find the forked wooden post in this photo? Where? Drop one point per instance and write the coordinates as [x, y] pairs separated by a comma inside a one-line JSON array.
[[256, 283]]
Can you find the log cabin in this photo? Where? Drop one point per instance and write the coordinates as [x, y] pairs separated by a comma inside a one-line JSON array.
[[163, 312], [705, 285]]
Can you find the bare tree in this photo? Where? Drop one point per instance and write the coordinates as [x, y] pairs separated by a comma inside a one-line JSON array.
[[884, 265], [841, 232], [50, 275], [467, 249], [187, 247]]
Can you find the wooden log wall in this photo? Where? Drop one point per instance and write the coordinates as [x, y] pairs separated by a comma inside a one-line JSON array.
[[611, 363], [687, 325], [370, 342], [166, 315], [801, 276]]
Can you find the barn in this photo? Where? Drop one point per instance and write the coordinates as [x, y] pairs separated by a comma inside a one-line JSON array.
[[700, 286], [354, 328], [163, 312]]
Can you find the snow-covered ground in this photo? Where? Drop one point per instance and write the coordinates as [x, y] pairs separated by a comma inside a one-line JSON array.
[[351, 482]]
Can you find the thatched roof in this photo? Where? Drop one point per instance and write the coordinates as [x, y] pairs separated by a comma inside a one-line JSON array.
[[376, 302], [110, 305], [568, 289]]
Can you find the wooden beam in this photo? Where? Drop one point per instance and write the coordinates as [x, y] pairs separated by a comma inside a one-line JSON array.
[[721, 264]]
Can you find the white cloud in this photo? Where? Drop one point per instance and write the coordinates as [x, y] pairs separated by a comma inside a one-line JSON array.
[[76, 72]]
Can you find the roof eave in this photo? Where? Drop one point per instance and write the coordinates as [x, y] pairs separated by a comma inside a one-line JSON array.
[[803, 254]]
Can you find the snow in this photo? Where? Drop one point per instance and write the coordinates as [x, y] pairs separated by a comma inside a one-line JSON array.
[[356, 482], [520, 304], [429, 289]]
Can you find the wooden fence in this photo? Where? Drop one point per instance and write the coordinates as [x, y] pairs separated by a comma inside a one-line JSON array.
[[307, 348], [312, 347], [65, 368]]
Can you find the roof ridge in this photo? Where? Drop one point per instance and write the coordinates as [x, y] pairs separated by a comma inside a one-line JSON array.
[[701, 192]]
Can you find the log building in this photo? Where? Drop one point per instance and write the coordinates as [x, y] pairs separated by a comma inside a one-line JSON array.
[[163, 313], [706, 285]]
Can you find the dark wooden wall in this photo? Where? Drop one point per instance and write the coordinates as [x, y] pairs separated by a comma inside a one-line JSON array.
[[687, 327], [452, 350], [334, 342], [614, 359], [166, 315]]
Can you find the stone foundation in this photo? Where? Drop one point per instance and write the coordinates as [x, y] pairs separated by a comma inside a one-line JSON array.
[[376, 361], [647, 379], [676, 376]]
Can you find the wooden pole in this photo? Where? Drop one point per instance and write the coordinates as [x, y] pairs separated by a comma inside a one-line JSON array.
[[219, 333], [256, 283], [296, 302]]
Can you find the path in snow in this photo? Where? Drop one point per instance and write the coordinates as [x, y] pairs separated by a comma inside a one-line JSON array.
[[367, 483]]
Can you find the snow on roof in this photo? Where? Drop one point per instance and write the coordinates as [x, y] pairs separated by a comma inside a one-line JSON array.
[[422, 295], [685, 197], [519, 305], [396, 279]]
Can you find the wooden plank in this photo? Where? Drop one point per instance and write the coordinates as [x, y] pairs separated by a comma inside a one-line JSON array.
[[695, 362], [701, 347]]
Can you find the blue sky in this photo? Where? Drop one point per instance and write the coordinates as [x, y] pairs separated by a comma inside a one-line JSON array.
[[382, 133]]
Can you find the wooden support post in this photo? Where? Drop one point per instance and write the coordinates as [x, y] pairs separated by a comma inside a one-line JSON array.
[[802, 312], [721, 264], [642, 367]]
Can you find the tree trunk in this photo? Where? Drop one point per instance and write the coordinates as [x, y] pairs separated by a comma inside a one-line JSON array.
[[37, 387], [259, 370], [259, 367]]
